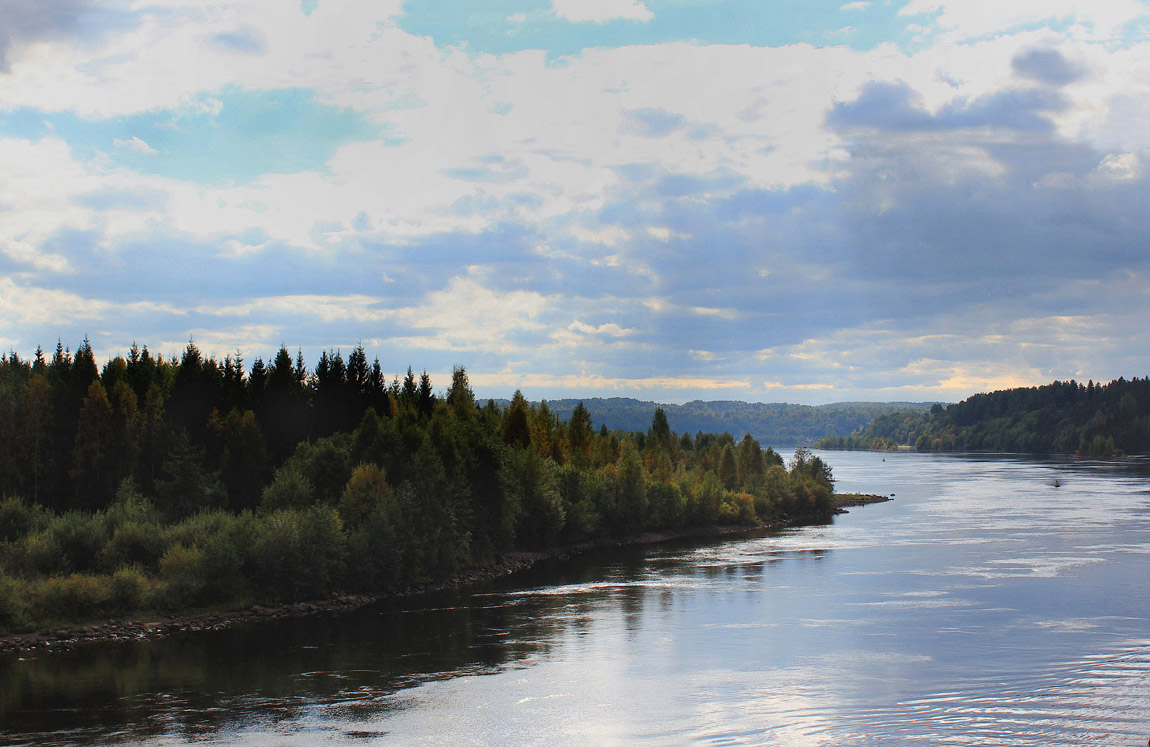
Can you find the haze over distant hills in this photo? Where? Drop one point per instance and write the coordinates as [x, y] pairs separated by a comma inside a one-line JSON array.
[[775, 424]]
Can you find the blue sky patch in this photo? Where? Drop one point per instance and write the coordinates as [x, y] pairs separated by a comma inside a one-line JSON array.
[[504, 26], [228, 137]]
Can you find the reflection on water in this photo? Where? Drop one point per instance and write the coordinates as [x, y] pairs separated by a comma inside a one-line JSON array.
[[984, 606]]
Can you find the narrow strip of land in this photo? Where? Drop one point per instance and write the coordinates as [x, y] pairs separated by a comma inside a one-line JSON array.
[[66, 638]]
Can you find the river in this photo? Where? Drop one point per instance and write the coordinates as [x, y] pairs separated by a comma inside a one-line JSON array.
[[983, 606]]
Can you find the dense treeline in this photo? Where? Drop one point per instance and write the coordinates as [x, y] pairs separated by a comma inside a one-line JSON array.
[[775, 423], [163, 484], [1095, 420]]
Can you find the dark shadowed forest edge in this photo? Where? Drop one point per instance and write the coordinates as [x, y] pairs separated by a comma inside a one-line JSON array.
[[167, 487], [1065, 417]]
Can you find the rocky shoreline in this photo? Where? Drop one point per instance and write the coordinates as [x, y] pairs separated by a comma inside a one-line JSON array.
[[67, 638]]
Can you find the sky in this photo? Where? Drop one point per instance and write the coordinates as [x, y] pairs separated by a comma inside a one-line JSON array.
[[765, 200]]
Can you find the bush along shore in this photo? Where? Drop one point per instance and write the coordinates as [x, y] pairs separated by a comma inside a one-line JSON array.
[[67, 637], [159, 489]]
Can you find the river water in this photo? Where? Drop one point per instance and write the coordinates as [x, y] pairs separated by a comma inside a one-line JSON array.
[[983, 606]]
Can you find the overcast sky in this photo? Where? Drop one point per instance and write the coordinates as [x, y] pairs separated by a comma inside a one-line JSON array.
[[794, 200]]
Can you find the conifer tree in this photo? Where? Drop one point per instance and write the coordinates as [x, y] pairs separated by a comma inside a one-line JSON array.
[[459, 396], [660, 431], [426, 395], [516, 426], [92, 479], [580, 435], [37, 433]]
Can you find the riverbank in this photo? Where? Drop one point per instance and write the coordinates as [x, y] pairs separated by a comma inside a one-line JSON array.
[[66, 638]]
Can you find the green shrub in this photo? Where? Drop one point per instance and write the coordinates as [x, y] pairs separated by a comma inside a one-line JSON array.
[[529, 480], [290, 488], [11, 607], [127, 590], [223, 560], [181, 576], [298, 554], [69, 598], [366, 489], [326, 464], [81, 538], [196, 530], [665, 504], [134, 543], [18, 519], [582, 520], [704, 504], [130, 506], [42, 554], [737, 508]]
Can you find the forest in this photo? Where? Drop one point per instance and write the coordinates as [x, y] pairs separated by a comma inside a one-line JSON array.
[[155, 484], [776, 423], [1064, 417]]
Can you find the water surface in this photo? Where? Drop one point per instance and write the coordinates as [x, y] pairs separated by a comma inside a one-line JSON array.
[[983, 606]]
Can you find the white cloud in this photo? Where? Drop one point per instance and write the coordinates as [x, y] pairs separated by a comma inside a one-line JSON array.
[[217, 343], [975, 18], [609, 330], [20, 305], [586, 382], [39, 182], [857, 5], [566, 145], [1124, 167], [468, 316], [665, 234], [716, 312], [601, 11], [611, 236], [356, 308], [135, 145], [29, 305]]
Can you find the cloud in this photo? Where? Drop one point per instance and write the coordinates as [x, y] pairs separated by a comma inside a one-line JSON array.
[[241, 41], [670, 387], [895, 107], [251, 341], [347, 308], [652, 122], [966, 19], [601, 11], [1119, 168], [30, 305], [136, 145], [27, 22], [1046, 66], [39, 194], [820, 219], [857, 5], [579, 333], [493, 170]]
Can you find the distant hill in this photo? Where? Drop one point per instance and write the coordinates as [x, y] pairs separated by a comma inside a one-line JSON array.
[[775, 424], [1063, 417]]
